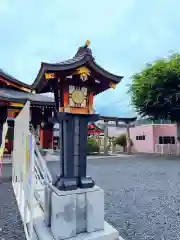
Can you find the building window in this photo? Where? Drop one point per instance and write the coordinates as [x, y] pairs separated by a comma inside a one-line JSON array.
[[166, 140], [142, 137]]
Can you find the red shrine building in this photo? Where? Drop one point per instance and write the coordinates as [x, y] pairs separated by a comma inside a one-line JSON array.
[[93, 129], [14, 94]]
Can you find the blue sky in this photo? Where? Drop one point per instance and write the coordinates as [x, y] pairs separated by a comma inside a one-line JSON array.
[[124, 35]]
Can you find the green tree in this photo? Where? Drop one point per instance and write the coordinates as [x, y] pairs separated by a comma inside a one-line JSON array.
[[121, 140], [155, 91], [92, 146]]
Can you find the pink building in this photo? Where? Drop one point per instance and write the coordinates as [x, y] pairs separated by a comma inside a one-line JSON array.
[[154, 138]]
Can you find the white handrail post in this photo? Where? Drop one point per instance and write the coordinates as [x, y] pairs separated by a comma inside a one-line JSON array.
[[168, 149], [31, 181], [162, 149]]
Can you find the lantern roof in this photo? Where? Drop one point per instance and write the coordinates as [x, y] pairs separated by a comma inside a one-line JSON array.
[[83, 58]]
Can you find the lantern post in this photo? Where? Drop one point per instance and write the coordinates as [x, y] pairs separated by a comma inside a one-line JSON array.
[[74, 205], [74, 109]]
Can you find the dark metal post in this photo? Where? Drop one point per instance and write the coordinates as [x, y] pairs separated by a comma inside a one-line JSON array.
[[73, 151]]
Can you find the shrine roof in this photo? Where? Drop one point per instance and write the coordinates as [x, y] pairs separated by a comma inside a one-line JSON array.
[[22, 97], [12, 79], [94, 127]]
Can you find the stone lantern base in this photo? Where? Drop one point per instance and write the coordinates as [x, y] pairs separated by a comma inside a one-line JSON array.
[[75, 215]]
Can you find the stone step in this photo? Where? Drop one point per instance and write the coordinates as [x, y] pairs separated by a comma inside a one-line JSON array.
[[109, 233]]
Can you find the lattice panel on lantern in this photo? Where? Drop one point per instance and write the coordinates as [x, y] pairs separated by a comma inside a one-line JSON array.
[[77, 96]]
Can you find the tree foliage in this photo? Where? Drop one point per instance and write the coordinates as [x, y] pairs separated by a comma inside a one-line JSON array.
[[155, 91], [92, 145], [121, 140]]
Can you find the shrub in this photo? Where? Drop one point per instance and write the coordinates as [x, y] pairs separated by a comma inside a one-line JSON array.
[[121, 141], [92, 146]]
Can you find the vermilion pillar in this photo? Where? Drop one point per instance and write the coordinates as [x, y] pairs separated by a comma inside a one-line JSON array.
[[46, 138]]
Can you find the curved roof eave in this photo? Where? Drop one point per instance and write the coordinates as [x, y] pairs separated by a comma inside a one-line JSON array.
[[105, 73], [72, 64], [62, 66], [13, 80]]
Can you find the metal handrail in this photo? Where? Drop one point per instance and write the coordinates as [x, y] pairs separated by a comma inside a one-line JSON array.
[[40, 161], [42, 164]]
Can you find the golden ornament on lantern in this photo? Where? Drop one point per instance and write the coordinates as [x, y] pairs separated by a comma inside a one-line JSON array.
[[84, 77], [83, 73], [112, 85], [87, 43]]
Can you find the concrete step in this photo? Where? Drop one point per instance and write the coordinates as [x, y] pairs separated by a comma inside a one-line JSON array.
[[109, 233]]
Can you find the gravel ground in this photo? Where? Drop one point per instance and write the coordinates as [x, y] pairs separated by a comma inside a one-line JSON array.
[[10, 222], [142, 198]]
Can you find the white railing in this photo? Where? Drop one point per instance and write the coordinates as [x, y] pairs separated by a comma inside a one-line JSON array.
[[29, 173], [167, 149]]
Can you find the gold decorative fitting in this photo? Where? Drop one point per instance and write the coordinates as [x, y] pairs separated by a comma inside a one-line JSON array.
[[87, 42], [112, 85], [50, 75], [83, 72], [83, 77]]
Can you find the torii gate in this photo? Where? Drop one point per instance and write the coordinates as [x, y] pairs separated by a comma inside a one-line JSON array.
[[118, 122]]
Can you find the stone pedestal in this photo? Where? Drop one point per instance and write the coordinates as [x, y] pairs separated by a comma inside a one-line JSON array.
[[78, 214]]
